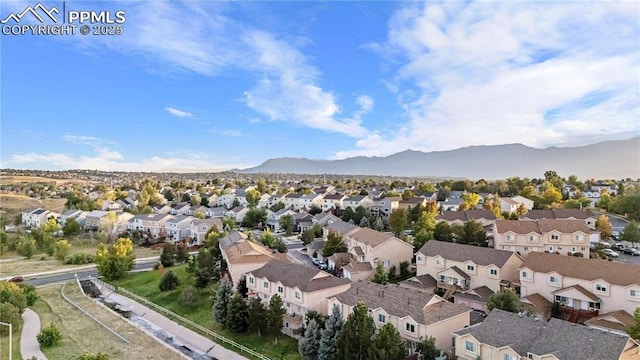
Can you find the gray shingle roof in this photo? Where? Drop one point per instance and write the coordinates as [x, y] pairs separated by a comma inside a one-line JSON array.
[[557, 214], [295, 275], [466, 215], [341, 227], [542, 226], [460, 252]]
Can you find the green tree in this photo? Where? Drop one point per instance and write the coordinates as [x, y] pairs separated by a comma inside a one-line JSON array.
[[168, 255], [169, 281], [631, 233], [114, 261], [182, 254], [287, 222], [328, 347], [237, 314], [206, 269], [506, 300], [50, 336], [169, 195], [443, 232], [398, 221], [348, 215], [96, 356], [309, 344], [427, 349], [551, 198], [204, 201], [420, 239], [10, 314], [195, 200], [334, 244], [71, 227], [380, 276], [387, 344], [257, 317], [255, 217], [221, 304], [253, 197], [62, 249], [472, 233], [310, 234], [634, 329], [427, 219], [360, 213], [275, 315], [356, 336], [26, 247], [604, 226]]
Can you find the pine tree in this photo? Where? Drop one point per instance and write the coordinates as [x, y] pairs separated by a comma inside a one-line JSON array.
[[329, 336], [237, 314], [275, 315], [309, 344], [387, 344], [380, 276], [356, 336], [427, 349], [257, 316], [223, 296]]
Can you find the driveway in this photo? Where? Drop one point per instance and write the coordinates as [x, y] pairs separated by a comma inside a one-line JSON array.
[[29, 346]]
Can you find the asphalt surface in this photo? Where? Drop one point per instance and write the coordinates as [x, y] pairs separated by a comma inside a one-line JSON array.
[[64, 277], [617, 223]]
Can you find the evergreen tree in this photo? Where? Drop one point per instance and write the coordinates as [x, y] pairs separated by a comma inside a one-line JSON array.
[[275, 315], [182, 254], [427, 349], [328, 349], [257, 316], [364, 222], [168, 256], [242, 287], [356, 336], [223, 296], [380, 276], [309, 344], [237, 314], [506, 300], [387, 344], [334, 244], [169, 281]]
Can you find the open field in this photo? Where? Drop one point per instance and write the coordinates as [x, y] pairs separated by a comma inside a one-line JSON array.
[[12, 179], [12, 264], [14, 204], [145, 284], [80, 333]]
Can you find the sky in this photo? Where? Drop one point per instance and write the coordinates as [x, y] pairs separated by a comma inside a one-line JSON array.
[[218, 85]]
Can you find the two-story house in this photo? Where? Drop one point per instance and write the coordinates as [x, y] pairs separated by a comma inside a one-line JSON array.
[[35, 218], [300, 287], [307, 202], [333, 201], [414, 314], [180, 209], [292, 201], [385, 206], [461, 268], [561, 214], [566, 237], [583, 287], [71, 213], [273, 218], [150, 225], [484, 217], [226, 200], [509, 336], [96, 219], [200, 228], [179, 227], [359, 200], [411, 203], [450, 204], [243, 256], [373, 247]]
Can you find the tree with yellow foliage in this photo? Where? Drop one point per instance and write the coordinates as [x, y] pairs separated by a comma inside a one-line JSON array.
[[115, 260]]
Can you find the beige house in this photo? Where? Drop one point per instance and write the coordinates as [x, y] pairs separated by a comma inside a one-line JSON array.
[[35, 218], [459, 267], [415, 314], [243, 256], [373, 247], [566, 237], [385, 206], [200, 228], [332, 201], [359, 200], [411, 203], [301, 288], [149, 224], [583, 287], [484, 217], [508, 336], [561, 214]]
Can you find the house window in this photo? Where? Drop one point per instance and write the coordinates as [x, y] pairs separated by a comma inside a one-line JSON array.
[[550, 248], [553, 279], [634, 293], [578, 237], [531, 238], [438, 262], [382, 318], [441, 278], [508, 357], [469, 346], [594, 305], [419, 258], [265, 284], [250, 280], [601, 288], [470, 268], [411, 328], [525, 274], [280, 289], [297, 295], [554, 237], [493, 272], [561, 299], [508, 237]]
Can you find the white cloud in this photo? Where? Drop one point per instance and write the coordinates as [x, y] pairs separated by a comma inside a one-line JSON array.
[[178, 113], [233, 133], [494, 72]]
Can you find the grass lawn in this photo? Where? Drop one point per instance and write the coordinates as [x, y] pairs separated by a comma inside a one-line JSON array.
[[80, 333], [145, 284]]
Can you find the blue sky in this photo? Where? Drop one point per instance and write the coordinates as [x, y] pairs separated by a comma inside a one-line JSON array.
[[218, 85]]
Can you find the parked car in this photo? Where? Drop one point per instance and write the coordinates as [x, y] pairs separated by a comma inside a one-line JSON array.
[[16, 279], [316, 261], [631, 251], [610, 253], [618, 246], [322, 265]]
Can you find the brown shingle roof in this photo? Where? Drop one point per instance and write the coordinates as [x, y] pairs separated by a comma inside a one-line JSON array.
[[587, 269], [467, 215], [481, 293], [422, 282], [460, 252], [616, 320], [247, 252], [581, 290], [401, 302], [371, 237], [558, 214], [295, 275], [542, 226]]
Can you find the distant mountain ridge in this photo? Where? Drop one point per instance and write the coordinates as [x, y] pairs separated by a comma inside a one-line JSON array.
[[604, 160]]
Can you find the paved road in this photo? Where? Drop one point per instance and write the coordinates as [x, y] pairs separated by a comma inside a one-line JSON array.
[[66, 276], [617, 223], [294, 254], [29, 346]]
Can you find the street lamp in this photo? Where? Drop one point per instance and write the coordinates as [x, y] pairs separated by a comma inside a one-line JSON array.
[[10, 333]]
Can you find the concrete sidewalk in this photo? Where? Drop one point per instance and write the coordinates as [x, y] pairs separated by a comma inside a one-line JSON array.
[[186, 336], [29, 346]]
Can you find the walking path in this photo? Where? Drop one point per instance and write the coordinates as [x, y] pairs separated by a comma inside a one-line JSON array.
[[186, 336], [29, 346]]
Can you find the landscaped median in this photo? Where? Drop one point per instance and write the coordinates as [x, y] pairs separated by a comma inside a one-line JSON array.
[[145, 285]]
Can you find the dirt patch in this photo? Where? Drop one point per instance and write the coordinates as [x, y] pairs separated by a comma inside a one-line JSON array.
[[13, 179]]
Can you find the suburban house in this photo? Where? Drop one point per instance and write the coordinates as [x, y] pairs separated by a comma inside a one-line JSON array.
[[450, 204], [509, 336], [71, 213], [584, 288], [291, 201], [35, 218], [359, 200], [415, 315], [226, 200], [274, 200], [528, 203], [485, 217], [180, 209], [237, 213], [341, 227], [333, 201], [509, 205], [566, 237], [243, 256], [152, 224], [324, 218], [561, 214], [110, 205], [373, 247], [306, 202], [216, 212], [200, 228], [96, 219], [385, 206], [302, 221], [409, 204], [179, 227], [301, 288], [461, 268], [273, 218], [162, 209]]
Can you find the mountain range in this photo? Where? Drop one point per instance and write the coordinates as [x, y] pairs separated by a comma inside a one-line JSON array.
[[604, 160]]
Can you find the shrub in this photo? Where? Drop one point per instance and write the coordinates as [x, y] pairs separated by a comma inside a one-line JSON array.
[[30, 293], [26, 248], [188, 297], [97, 356], [169, 281], [50, 336], [10, 314], [80, 259]]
